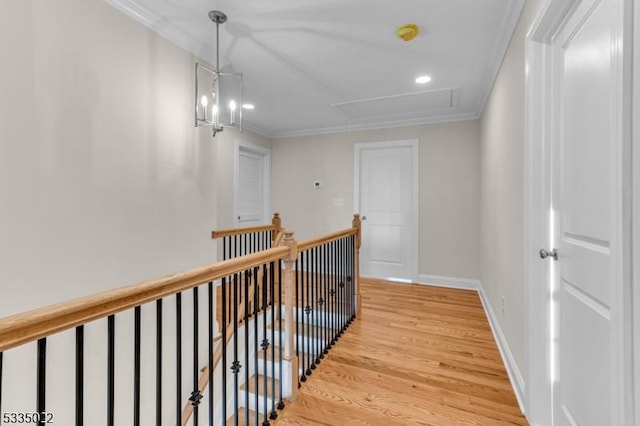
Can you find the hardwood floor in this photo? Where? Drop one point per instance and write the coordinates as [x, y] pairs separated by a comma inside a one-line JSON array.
[[418, 356]]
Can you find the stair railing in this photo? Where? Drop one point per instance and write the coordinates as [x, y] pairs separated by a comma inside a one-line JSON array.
[[304, 296], [240, 241], [172, 302], [327, 295]]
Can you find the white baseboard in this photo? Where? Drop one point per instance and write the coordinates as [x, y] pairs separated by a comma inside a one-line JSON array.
[[516, 378], [449, 282]]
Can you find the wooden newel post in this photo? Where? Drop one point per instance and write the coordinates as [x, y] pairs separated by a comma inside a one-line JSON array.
[[277, 222], [357, 223], [289, 303]]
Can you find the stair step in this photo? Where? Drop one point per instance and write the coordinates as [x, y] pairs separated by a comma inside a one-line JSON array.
[[265, 405], [243, 413], [261, 381]]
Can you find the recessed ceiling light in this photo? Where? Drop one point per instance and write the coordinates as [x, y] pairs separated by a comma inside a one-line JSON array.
[[248, 106], [423, 79]]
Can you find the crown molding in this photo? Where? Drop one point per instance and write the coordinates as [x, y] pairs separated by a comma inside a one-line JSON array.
[[165, 28], [507, 29], [381, 124]]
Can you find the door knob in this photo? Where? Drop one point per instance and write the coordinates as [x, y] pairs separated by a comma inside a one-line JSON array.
[[544, 253], [364, 218]]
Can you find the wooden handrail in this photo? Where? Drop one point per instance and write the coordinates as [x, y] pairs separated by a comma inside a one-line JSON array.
[[239, 231], [315, 242], [275, 227], [30, 326]]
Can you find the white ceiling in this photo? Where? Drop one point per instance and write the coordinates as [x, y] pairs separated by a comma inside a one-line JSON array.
[[320, 66]]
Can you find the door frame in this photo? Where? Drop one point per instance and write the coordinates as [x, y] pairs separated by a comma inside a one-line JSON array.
[[539, 230], [241, 145], [415, 223]]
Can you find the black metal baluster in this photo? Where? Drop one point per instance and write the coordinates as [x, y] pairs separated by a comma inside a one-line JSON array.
[[210, 320], [235, 367], [159, 362], [347, 273], [229, 298], [352, 267], [319, 305], [223, 342], [325, 296], [247, 277], [111, 344], [345, 299], [136, 366], [349, 279], [341, 287], [296, 316], [314, 308], [272, 274], [42, 378], [245, 249], [345, 288], [347, 315], [196, 396], [307, 310], [330, 293], [256, 304], [265, 341], [300, 315], [178, 358], [280, 349], [334, 293], [79, 375]]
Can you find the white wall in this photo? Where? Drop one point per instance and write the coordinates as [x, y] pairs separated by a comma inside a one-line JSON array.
[[449, 189], [104, 182], [502, 193]]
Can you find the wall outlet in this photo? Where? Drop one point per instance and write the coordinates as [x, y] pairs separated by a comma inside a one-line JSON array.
[[502, 306], [317, 184], [339, 202]]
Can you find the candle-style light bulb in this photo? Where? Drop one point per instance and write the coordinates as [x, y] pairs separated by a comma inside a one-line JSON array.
[[204, 101], [214, 112], [232, 108]]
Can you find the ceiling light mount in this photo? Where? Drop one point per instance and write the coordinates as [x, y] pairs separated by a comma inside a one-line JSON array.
[[218, 17], [221, 90]]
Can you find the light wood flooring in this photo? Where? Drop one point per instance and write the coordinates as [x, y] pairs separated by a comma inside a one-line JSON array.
[[419, 355]]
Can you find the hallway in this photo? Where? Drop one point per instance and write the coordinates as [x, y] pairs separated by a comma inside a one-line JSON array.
[[419, 355]]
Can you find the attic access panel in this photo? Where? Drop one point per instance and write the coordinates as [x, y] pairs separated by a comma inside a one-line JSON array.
[[406, 104]]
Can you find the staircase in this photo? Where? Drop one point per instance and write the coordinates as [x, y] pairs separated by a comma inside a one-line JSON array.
[[260, 393], [227, 343]]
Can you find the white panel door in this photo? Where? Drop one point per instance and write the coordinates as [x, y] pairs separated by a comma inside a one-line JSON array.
[[251, 189], [583, 194], [386, 190]]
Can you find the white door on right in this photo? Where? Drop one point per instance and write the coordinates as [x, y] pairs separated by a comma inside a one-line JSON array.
[[587, 109]]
